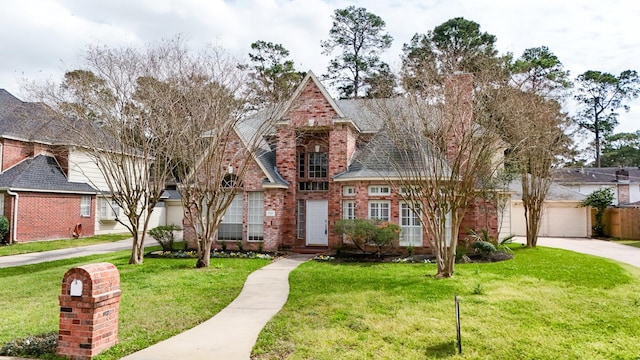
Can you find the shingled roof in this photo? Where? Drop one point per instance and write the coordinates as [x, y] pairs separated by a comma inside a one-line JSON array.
[[30, 121], [605, 175], [383, 158], [556, 192], [41, 173]]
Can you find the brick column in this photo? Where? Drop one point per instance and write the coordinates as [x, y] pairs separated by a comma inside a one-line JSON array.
[[89, 306]]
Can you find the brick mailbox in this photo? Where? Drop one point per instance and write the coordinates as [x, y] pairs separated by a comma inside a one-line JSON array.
[[89, 306]]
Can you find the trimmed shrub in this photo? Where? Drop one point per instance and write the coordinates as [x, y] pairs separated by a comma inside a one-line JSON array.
[[4, 228], [36, 345], [164, 235]]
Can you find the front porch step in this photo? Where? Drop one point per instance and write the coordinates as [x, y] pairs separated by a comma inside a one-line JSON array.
[[310, 249]]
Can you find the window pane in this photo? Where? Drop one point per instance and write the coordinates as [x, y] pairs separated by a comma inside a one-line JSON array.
[[301, 221], [317, 165], [85, 206], [349, 209], [255, 216], [379, 210], [231, 225], [410, 227], [301, 165]]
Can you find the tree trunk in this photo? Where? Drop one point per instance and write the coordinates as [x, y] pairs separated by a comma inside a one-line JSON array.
[[447, 263], [532, 212], [204, 256], [137, 250]]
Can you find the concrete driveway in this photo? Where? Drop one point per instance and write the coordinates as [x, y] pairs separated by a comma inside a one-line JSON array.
[[607, 249]]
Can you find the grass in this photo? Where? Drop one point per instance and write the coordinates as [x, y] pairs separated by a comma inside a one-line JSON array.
[[38, 246], [634, 243], [160, 298], [544, 304]]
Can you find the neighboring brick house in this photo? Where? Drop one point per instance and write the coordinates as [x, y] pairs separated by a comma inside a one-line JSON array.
[[623, 181], [51, 189], [36, 195], [306, 177]]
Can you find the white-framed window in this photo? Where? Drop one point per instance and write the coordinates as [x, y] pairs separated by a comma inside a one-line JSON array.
[[255, 216], [348, 209], [447, 228], [317, 165], [108, 209], [410, 226], [85, 206], [1, 203], [231, 225], [300, 218], [379, 209], [348, 190], [378, 190], [409, 190]]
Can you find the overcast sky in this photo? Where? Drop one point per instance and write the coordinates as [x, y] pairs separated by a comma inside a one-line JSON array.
[[43, 38]]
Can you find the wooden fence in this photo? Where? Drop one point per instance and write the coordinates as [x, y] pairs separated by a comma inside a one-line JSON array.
[[623, 223]]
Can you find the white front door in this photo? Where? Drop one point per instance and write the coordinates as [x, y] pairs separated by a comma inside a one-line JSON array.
[[317, 222]]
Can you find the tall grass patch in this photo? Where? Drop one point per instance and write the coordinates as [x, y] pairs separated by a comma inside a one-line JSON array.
[[543, 304], [160, 298]]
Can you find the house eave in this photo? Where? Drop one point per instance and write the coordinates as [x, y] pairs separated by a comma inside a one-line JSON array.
[[275, 186], [49, 191]]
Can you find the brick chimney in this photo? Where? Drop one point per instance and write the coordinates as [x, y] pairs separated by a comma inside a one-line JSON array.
[[622, 178], [458, 97]]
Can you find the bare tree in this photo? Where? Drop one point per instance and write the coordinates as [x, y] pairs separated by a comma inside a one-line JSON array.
[[108, 117], [436, 154], [216, 144], [533, 126], [527, 115]]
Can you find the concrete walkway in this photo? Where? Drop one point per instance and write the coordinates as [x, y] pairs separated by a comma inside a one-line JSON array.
[[231, 333], [607, 249], [44, 256]]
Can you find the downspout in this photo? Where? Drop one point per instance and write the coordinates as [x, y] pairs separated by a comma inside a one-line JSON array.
[[15, 216]]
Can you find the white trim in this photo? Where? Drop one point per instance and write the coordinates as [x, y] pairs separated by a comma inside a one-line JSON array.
[[349, 190], [414, 217], [379, 190], [379, 202], [351, 208], [255, 218], [52, 191], [83, 206]]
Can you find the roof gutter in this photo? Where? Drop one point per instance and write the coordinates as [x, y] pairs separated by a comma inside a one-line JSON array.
[[15, 216]]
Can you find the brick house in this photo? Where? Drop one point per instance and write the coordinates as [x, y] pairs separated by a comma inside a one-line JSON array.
[[50, 188], [36, 195], [306, 176]]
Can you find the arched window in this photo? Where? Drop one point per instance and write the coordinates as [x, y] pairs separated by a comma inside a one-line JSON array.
[[231, 181]]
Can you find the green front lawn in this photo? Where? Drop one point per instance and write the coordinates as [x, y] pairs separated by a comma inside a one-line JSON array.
[[38, 246], [160, 298], [544, 304], [634, 243]]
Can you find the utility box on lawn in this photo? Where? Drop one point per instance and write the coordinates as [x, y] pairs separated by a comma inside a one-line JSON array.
[[89, 306]]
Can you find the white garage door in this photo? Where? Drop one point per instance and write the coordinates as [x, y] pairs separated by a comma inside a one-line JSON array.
[[559, 219]]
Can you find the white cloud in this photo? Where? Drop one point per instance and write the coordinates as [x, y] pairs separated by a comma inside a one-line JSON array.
[[42, 38]]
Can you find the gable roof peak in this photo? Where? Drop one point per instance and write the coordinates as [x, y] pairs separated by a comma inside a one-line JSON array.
[[311, 77]]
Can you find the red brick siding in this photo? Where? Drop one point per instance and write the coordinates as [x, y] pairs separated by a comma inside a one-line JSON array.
[[273, 200], [252, 180], [311, 105], [623, 193], [458, 92], [43, 216], [286, 164], [479, 215], [89, 323], [14, 152]]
